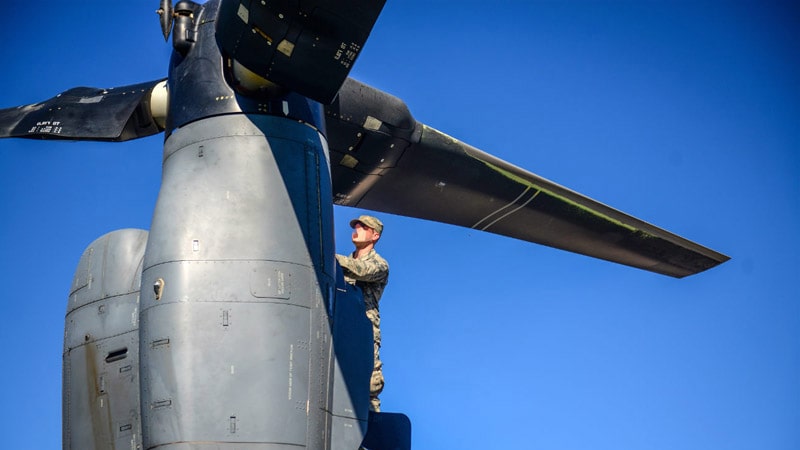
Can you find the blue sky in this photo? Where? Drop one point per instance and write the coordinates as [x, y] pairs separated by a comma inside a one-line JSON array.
[[684, 114]]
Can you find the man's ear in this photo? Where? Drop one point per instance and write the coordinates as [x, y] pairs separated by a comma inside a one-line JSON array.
[[375, 237]]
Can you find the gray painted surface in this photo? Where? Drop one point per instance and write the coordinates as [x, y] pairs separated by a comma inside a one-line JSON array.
[[101, 345], [238, 310], [232, 344], [238, 349]]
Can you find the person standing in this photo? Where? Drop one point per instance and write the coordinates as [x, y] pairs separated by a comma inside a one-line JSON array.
[[366, 269]]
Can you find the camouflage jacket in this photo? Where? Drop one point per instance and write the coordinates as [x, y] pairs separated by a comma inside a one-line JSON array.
[[370, 273]]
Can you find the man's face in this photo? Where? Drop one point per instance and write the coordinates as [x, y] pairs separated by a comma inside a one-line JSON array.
[[364, 235]]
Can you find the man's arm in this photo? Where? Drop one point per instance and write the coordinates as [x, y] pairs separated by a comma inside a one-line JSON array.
[[368, 269]]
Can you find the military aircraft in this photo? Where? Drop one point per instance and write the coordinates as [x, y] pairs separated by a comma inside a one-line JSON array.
[[246, 236]]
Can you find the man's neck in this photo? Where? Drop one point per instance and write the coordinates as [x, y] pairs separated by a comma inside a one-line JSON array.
[[363, 251]]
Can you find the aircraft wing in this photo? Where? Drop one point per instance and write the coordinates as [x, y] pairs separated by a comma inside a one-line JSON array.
[[85, 113], [383, 160]]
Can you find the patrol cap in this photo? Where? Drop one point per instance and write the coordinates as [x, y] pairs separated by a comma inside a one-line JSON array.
[[369, 221]]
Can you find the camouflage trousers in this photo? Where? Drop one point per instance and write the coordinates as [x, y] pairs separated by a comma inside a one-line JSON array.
[[376, 382]]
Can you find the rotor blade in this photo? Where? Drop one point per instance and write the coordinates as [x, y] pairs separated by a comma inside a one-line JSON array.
[[84, 113], [307, 47], [382, 159]]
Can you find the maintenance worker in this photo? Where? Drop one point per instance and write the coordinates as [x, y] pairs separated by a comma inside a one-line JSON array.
[[366, 269]]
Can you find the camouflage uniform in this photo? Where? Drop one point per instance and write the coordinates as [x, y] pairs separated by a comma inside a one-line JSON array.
[[370, 273]]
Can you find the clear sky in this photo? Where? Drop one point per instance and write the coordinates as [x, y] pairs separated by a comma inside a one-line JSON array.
[[684, 114]]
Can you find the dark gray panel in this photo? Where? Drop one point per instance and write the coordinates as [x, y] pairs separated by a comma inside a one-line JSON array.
[[353, 363], [388, 431]]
